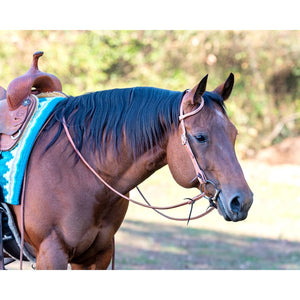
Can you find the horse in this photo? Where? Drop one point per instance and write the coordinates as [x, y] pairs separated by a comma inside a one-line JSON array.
[[125, 135]]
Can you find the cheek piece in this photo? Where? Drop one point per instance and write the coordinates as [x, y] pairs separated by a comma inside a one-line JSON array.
[[199, 172]]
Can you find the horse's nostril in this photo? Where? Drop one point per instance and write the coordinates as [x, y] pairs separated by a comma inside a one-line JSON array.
[[235, 204]]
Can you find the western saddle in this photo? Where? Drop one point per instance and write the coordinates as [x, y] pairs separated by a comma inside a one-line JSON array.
[[19, 102]]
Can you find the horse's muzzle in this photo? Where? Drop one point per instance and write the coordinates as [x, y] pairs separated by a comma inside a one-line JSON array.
[[236, 209]]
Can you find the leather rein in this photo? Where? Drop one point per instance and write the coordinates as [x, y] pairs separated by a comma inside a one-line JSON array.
[[199, 172]]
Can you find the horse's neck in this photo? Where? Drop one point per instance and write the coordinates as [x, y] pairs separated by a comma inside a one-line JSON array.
[[128, 173], [152, 161]]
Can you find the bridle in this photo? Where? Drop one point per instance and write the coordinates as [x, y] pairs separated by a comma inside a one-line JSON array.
[[199, 172]]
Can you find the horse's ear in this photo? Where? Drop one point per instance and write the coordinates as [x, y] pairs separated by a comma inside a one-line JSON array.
[[199, 90], [224, 90]]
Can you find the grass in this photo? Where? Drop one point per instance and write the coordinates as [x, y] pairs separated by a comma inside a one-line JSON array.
[[176, 247], [268, 239]]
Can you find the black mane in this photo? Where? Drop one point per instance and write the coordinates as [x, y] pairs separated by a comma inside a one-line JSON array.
[[143, 114]]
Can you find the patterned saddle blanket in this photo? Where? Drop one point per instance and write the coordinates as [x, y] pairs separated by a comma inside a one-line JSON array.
[[13, 163]]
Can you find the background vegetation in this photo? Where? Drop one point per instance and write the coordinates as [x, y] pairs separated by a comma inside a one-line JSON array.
[[266, 65], [266, 97]]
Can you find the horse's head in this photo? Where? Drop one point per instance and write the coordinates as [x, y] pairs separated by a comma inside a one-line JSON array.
[[211, 137]]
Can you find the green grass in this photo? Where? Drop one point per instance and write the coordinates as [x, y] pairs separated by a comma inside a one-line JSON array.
[[175, 247], [268, 239]]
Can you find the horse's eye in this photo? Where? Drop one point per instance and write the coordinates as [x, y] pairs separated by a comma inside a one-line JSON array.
[[201, 138]]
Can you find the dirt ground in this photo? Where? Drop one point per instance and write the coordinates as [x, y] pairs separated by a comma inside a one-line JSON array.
[[287, 152]]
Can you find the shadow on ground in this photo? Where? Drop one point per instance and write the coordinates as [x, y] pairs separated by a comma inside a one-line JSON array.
[[155, 246]]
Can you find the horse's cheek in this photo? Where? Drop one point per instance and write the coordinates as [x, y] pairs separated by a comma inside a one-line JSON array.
[[180, 164]]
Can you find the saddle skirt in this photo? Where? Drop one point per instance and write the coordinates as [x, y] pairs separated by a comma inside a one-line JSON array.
[[13, 123]]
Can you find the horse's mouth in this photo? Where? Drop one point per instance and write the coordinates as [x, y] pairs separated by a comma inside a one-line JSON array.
[[222, 210], [230, 216], [217, 198]]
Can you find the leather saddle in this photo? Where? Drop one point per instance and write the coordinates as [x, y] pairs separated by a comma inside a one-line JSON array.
[[20, 101], [13, 123]]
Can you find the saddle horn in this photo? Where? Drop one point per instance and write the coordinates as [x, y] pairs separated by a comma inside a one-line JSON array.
[[32, 82]]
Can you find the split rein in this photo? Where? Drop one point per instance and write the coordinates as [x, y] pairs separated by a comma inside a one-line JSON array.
[[200, 175]]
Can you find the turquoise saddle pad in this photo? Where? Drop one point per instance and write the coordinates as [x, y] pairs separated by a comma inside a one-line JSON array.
[[12, 168]]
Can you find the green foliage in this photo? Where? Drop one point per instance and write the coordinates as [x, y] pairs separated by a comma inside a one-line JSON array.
[[266, 65]]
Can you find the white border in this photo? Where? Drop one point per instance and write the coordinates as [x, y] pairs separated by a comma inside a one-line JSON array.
[[154, 14]]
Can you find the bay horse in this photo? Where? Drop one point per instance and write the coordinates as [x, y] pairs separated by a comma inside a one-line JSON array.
[[125, 135]]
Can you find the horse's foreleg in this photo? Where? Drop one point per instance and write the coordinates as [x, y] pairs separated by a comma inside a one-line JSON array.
[[51, 254], [103, 258], [100, 261]]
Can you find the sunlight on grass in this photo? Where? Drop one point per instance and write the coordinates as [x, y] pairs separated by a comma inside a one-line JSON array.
[[275, 212]]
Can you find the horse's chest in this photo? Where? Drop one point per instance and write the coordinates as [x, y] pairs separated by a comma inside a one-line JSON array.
[[95, 234], [94, 241]]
